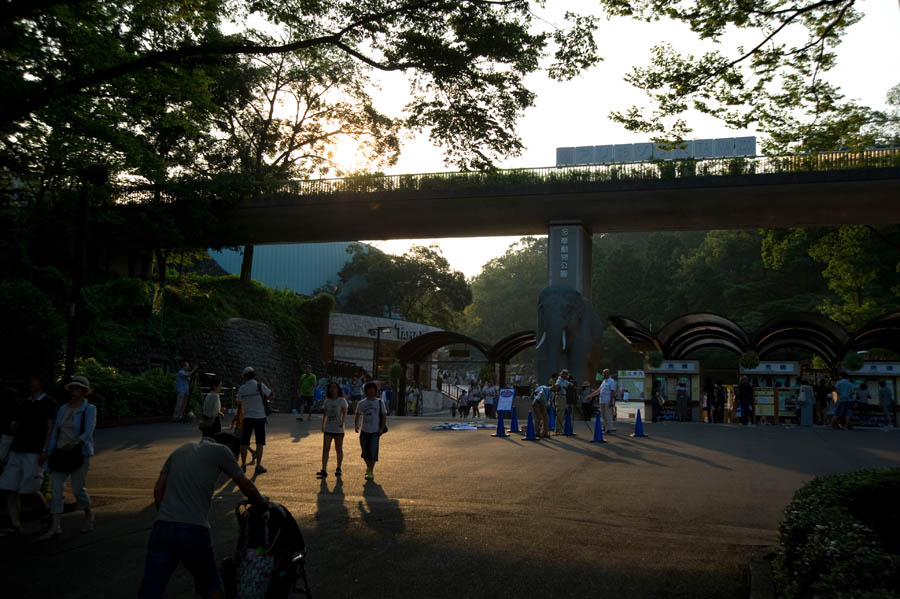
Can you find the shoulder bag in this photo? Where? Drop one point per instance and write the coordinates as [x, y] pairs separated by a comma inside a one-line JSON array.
[[62, 460]]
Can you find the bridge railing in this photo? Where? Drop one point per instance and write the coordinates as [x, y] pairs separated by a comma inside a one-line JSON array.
[[633, 171], [505, 178]]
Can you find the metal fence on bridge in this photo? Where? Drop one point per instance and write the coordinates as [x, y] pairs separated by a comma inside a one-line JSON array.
[[504, 178]]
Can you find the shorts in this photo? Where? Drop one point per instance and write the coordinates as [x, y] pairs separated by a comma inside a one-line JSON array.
[[307, 399], [253, 426], [334, 435], [369, 444], [22, 473], [172, 543]]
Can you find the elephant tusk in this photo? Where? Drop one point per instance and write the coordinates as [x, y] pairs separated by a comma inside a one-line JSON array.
[[564, 340], [541, 342]]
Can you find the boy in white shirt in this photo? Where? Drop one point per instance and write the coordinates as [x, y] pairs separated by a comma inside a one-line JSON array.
[[374, 424]]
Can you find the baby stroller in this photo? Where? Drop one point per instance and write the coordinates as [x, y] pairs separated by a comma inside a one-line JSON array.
[[270, 558]]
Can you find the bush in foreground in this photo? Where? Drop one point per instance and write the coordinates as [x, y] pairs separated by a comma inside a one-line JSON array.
[[840, 537]]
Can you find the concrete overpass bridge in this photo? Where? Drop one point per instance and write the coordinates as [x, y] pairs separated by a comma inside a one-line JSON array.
[[826, 189]]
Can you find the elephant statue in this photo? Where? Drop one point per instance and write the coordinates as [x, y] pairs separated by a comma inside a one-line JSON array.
[[568, 327]]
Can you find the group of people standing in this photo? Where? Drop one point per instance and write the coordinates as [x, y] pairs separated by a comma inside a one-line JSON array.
[[562, 392], [471, 399], [42, 438]]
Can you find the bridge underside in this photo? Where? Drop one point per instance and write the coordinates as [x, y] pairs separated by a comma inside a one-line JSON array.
[[864, 196]]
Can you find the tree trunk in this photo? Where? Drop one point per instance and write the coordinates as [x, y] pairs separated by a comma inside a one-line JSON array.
[[247, 264], [161, 266]]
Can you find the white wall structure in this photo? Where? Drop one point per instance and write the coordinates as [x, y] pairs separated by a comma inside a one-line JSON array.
[[726, 147]]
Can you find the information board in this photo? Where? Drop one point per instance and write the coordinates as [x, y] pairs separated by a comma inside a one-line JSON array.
[[505, 400], [764, 397]]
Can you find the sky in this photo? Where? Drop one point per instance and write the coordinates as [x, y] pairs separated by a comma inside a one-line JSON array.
[[575, 113]]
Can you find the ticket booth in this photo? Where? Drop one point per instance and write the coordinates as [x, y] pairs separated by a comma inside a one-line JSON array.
[[871, 374], [671, 374], [775, 389]]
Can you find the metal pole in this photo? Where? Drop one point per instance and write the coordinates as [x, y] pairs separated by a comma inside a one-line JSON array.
[[77, 275], [375, 357]]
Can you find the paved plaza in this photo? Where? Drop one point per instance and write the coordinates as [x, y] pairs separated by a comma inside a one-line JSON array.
[[462, 514]]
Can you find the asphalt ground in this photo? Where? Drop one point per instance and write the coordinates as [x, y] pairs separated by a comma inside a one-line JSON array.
[[461, 514]]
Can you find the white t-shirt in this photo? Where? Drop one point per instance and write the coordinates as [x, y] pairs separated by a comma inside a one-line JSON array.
[[211, 405], [248, 394], [607, 389], [333, 408], [370, 410]]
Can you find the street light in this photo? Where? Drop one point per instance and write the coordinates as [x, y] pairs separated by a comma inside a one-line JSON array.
[[377, 331]]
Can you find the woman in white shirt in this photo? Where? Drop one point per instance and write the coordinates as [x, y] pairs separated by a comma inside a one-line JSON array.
[[335, 411]]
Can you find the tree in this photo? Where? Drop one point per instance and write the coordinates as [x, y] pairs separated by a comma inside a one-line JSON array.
[[280, 116], [505, 293], [775, 85], [467, 59], [417, 286]]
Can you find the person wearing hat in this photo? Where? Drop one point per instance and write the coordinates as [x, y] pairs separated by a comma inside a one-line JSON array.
[[31, 424], [73, 430], [252, 395]]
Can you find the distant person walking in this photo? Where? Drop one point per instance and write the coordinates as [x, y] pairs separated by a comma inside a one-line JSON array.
[[539, 406], [587, 404], [183, 495], [720, 401], [844, 412], [356, 394], [657, 400], [886, 401], [252, 394], [806, 401], [709, 399], [212, 406], [745, 398], [682, 403], [70, 449], [371, 411], [308, 383], [335, 411], [182, 389], [31, 424]]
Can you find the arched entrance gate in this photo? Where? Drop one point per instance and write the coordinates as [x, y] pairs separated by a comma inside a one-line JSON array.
[[416, 352]]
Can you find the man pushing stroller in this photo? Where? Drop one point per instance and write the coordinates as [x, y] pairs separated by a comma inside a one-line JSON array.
[[183, 495]]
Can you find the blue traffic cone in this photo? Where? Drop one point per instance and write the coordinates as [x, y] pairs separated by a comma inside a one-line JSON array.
[[501, 428], [529, 430], [638, 427], [567, 427], [598, 430], [514, 425], [552, 425]]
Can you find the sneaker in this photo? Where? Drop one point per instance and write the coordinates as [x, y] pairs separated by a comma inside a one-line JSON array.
[[337, 472], [244, 468], [321, 474], [260, 470], [370, 475]]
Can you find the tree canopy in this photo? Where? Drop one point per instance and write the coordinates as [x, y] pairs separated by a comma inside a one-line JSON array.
[[418, 286], [846, 273]]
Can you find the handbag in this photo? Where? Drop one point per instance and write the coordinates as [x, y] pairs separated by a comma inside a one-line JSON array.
[[62, 460]]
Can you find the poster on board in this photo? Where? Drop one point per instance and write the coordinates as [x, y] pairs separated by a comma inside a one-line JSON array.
[[505, 400]]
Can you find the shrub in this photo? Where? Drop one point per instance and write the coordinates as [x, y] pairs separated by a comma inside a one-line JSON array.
[[840, 537], [119, 395], [34, 331]]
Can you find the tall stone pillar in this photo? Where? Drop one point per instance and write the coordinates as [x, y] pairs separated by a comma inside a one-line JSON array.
[[569, 257]]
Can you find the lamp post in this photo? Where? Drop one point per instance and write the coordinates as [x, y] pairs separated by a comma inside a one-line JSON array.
[[96, 175], [377, 331]]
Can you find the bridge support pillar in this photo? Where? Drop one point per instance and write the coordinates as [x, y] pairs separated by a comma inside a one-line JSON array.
[[569, 257], [568, 326]]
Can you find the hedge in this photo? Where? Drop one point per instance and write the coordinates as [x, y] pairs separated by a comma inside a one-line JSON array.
[[119, 395], [840, 538]]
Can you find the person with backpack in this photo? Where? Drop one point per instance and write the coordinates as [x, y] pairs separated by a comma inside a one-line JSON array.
[[183, 495], [252, 395]]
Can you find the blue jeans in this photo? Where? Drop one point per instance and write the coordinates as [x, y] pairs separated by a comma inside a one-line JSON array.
[[174, 542]]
